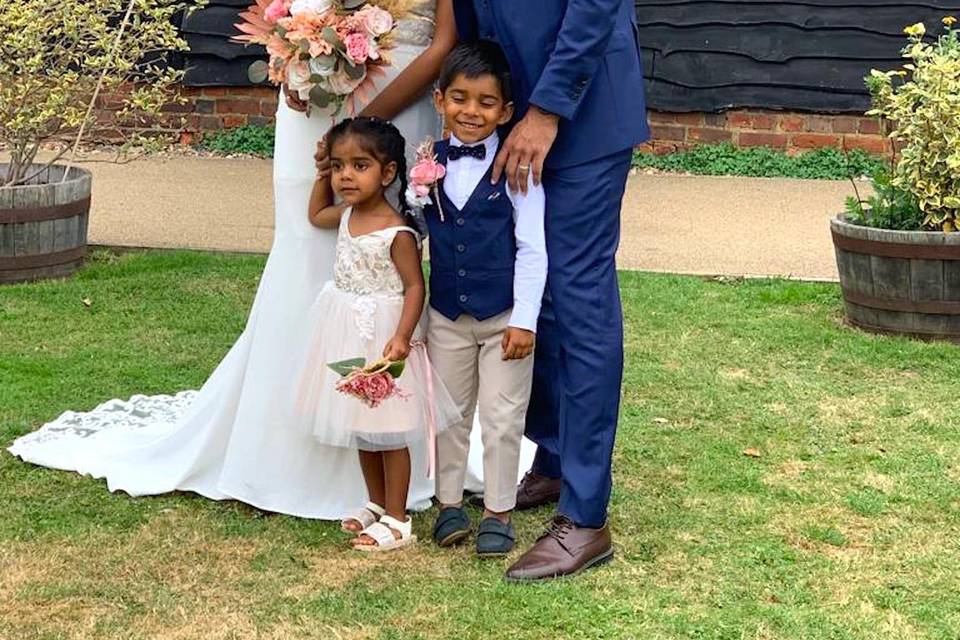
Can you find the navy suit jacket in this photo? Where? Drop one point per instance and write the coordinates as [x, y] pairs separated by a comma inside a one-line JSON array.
[[579, 59]]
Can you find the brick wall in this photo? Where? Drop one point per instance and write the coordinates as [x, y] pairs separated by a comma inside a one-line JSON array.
[[214, 108], [793, 132]]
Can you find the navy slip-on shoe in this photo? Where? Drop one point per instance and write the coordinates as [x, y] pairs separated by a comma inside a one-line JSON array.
[[495, 538], [452, 526]]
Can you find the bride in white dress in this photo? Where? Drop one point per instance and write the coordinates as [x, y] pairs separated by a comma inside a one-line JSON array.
[[227, 441]]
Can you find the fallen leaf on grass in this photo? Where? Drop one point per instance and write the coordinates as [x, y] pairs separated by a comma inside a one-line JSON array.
[[661, 421], [751, 452], [86, 302]]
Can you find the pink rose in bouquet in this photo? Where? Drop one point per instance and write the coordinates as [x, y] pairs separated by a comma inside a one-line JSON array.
[[377, 21], [276, 10], [299, 79], [380, 386], [358, 47], [343, 84], [371, 384]]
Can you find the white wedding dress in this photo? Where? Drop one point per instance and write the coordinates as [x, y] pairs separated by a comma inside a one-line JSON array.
[[229, 440]]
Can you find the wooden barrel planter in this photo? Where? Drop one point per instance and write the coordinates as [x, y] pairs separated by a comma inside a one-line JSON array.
[[901, 282], [43, 225]]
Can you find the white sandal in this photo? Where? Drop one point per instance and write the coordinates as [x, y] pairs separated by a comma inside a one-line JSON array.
[[382, 534], [364, 517]]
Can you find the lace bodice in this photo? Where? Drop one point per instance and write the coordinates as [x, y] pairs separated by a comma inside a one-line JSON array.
[[364, 265]]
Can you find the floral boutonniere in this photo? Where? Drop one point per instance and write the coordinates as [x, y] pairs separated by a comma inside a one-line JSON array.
[[425, 176]]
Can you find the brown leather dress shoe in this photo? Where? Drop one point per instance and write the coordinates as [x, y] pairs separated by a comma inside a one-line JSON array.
[[564, 550], [536, 490]]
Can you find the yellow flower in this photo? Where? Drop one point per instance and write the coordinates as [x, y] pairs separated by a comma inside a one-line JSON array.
[[949, 21], [916, 30]]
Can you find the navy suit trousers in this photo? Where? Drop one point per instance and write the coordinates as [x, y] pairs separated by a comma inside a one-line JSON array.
[[578, 370]]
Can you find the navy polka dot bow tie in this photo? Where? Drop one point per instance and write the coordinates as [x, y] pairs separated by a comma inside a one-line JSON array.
[[477, 151]]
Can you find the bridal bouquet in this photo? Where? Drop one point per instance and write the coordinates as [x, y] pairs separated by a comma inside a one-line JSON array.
[[328, 52], [371, 384]]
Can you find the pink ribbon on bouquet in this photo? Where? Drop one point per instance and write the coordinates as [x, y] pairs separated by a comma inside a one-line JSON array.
[[421, 346]]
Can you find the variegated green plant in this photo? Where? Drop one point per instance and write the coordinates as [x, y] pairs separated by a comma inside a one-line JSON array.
[[922, 102], [54, 54]]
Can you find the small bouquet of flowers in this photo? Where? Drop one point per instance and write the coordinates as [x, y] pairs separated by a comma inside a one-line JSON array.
[[370, 383], [425, 176], [328, 52]]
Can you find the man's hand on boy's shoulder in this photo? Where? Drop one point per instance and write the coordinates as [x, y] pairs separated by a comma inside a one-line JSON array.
[[525, 150], [518, 343]]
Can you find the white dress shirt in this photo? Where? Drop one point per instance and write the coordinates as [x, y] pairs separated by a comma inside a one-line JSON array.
[[530, 268]]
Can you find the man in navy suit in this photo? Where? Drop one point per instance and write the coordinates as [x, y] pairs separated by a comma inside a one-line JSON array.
[[578, 92]]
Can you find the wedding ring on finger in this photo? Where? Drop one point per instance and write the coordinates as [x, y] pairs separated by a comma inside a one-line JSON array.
[[524, 167]]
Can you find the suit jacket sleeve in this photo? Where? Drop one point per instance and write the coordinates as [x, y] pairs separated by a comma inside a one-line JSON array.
[[581, 44]]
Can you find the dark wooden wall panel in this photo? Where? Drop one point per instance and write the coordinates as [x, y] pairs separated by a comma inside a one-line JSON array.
[[213, 59], [699, 55], [804, 55]]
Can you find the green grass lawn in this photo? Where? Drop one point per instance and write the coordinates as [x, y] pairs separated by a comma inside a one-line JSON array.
[[843, 523]]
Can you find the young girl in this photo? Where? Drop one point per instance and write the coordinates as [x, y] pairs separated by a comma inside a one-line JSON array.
[[371, 309]]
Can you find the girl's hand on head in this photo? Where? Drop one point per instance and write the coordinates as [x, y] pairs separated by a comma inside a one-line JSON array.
[[294, 101], [397, 349], [322, 160]]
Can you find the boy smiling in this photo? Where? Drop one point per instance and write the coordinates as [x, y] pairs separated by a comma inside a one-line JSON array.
[[488, 271]]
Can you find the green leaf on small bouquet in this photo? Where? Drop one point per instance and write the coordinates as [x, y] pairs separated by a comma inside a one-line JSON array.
[[352, 5], [346, 367], [396, 368]]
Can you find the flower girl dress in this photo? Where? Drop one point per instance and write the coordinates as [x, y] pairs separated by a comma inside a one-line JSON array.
[[354, 316]]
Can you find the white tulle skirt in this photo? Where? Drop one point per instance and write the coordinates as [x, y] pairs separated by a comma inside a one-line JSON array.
[[421, 409]]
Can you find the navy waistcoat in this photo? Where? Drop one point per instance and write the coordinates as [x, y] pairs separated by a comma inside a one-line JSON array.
[[472, 251]]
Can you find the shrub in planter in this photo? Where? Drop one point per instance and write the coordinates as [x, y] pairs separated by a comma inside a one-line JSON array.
[[922, 103], [897, 251], [58, 60]]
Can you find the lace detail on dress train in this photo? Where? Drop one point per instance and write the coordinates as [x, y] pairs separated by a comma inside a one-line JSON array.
[[115, 415]]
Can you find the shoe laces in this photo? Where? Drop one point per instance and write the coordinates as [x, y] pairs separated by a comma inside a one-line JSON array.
[[559, 527]]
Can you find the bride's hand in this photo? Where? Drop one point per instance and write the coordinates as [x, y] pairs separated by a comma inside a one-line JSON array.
[[397, 349], [294, 101], [322, 160]]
